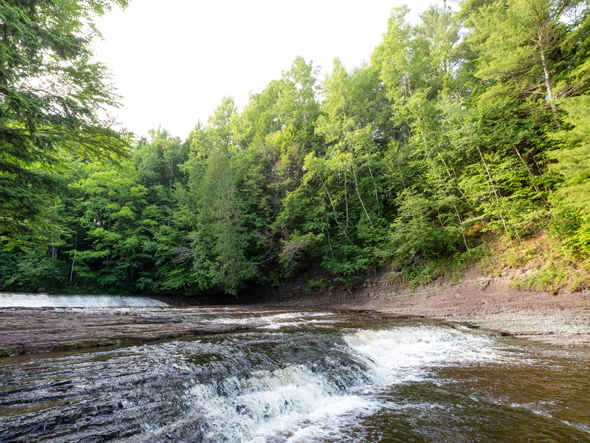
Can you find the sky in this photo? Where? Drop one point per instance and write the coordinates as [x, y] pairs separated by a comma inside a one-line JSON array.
[[173, 61]]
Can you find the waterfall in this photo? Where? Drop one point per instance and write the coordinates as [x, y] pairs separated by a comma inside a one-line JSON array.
[[76, 301]]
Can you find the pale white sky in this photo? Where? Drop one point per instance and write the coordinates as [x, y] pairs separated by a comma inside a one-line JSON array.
[[173, 61]]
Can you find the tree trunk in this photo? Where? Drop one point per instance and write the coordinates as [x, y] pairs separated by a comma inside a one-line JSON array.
[[346, 200], [334, 209], [356, 187], [528, 169], [493, 188], [330, 243], [462, 227], [550, 95], [374, 185], [74, 260], [450, 176]]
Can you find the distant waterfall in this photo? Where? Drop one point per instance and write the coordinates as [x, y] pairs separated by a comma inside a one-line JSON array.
[[76, 301]]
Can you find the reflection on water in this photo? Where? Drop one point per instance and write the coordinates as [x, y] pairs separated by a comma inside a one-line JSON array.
[[75, 301], [302, 377]]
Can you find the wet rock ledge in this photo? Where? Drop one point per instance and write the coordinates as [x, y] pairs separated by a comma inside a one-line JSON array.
[[33, 330]]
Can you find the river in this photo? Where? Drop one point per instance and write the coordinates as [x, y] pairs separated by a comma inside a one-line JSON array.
[[301, 376]]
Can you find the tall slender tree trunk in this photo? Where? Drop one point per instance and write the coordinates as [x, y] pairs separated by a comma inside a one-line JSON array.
[[401, 174], [447, 190], [450, 176], [493, 188], [356, 187], [450, 195], [497, 199], [346, 199], [74, 259], [455, 206], [334, 209], [374, 185], [330, 243], [548, 81], [528, 169], [547, 75], [462, 227]]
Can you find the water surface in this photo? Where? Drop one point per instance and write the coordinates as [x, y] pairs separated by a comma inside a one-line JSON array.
[[302, 377], [75, 301]]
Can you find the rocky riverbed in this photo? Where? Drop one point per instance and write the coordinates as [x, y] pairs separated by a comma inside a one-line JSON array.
[[35, 330], [475, 300], [297, 375], [32, 330]]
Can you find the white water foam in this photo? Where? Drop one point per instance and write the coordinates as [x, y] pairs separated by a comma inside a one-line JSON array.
[[405, 353], [274, 321], [298, 404], [286, 405], [76, 301]]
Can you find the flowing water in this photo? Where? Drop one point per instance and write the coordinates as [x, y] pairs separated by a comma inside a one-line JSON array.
[[301, 377], [79, 301]]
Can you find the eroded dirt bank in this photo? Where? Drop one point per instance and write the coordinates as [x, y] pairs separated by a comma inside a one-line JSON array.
[[489, 303]]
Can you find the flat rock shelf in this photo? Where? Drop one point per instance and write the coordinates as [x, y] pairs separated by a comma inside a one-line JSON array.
[[33, 330], [289, 376]]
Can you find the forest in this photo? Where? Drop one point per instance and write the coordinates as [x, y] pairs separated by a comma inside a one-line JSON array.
[[466, 131]]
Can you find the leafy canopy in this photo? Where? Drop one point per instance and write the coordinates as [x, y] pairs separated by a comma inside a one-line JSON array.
[[54, 100]]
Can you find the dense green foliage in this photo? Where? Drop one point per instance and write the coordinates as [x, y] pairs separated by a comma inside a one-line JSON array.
[[472, 122], [52, 102]]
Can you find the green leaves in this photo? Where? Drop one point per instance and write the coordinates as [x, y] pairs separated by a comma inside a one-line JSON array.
[[573, 157], [572, 162], [463, 127], [53, 99]]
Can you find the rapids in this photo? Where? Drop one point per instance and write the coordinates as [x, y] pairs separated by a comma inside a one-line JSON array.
[[301, 377], [75, 301]]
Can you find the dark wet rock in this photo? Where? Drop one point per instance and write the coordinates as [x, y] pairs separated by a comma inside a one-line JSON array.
[[33, 330]]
